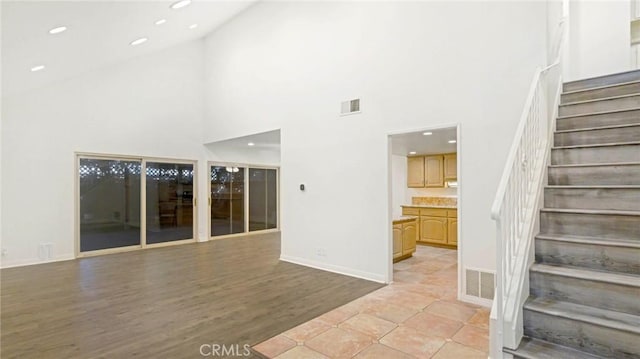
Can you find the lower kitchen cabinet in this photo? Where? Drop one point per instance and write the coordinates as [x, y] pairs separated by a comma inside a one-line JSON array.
[[405, 234], [433, 229], [452, 237]]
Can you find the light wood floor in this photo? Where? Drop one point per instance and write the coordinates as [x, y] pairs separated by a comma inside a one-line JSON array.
[[164, 302]]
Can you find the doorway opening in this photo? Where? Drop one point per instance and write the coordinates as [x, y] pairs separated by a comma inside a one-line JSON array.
[[424, 200]]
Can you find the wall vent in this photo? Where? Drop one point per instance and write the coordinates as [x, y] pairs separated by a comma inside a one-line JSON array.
[[479, 284], [350, 107]]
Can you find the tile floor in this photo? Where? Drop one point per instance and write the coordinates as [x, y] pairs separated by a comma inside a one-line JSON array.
[[417, 316]]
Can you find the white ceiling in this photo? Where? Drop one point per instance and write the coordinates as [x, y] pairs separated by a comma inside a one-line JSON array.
[[99, 33], [416, 141]]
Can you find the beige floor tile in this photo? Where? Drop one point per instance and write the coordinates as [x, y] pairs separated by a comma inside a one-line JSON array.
[[408, 277], [301, 352], [369, 325], [307, 330], [339, 343], [339, 315], [453, 311], [379, 351], [453, 350], [480, 319], [474, 337], [405, 298], [412, 342], [275, 346], [433, 325], [391, 312]]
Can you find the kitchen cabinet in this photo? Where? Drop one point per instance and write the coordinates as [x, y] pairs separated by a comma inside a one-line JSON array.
[[415, 172], [405, 234], [431, 170], [437, 226], [397, 240], [434, 171], [451, 166]]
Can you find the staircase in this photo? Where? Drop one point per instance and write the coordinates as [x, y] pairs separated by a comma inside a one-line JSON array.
[[585, 283]]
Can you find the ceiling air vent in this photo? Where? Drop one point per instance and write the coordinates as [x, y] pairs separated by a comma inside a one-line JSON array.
[[350, 107]]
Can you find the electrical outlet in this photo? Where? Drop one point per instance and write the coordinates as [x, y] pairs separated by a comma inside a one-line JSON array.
[[4, 252], [320, 252]]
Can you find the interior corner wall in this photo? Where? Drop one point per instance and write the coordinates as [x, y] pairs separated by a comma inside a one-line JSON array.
[[599, 38], [147, 106], [414, 65]]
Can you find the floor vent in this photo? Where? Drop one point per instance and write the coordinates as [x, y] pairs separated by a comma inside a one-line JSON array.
[[350, 107], [479, 284]]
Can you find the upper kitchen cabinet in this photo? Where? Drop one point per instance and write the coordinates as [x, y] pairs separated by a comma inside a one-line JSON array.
[[433, 171], [451, 166], [415, 171]]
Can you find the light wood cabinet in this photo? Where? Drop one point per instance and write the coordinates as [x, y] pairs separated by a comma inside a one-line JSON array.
[[437, 226], [409, 237], [451, 166], [433, 229], [434, 171], [452, 231], [415, 172], [405, 234]]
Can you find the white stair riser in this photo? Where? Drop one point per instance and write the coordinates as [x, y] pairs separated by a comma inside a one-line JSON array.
[[590, 121], [593, 198], [598, 257], [599, 93], [594, 137], [591, 338], [601, 81], [599, 154], [600, 106], [590, 225], [595, 175]]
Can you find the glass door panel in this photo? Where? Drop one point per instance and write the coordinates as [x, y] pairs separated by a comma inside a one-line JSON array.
[[263, 200], [227, 200], [109, 203], [169, 200]]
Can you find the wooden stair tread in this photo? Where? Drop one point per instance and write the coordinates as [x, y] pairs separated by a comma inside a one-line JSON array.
[[593, 315], [598, 145], [599, 99], [598, 113], [596, 164], [613, 212], [588, 274], [531, 348], [629, 243], [610, 127], [601, 87], [604, 186]]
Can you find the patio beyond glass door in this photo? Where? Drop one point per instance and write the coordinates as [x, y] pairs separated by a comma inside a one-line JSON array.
[[169, 200], [227, 200], [109, 203], [263, 199]]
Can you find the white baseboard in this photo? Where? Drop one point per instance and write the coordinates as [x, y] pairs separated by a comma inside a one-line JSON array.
[[334, 268], [475, 300], [34, 261]]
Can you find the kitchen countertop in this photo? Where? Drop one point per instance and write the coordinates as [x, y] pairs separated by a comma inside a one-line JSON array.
[[404, 218], [429, 206]]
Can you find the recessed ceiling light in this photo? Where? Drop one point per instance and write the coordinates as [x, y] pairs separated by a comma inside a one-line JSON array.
[[57, 30], [37, 68], [412, 152], [452, 141], [193, 26], [138, 41], [251, 144], [427, 133], [180, 4], [161, 21]]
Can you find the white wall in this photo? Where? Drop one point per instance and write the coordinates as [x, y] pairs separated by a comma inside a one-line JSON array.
[[599, 38], [149, 106], [289, 65]]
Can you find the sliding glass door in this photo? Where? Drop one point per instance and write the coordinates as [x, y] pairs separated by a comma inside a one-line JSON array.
[[134, 202], [243, 199], [227, 200], [169, 199], [109, 203], [263, 199]]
